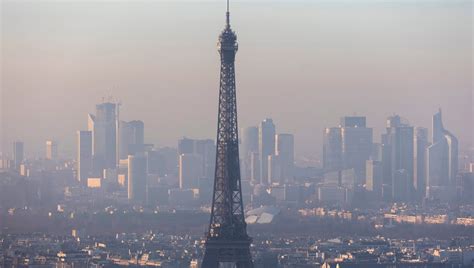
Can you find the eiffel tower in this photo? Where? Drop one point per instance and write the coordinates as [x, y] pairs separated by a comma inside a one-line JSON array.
[[227, 243]]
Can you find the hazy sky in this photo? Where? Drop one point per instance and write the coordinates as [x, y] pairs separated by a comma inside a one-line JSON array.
[[302, 63]]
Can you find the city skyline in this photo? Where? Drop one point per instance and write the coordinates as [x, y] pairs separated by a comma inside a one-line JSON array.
[[45, 150], [445, 47], [149, 185], [318, 153]]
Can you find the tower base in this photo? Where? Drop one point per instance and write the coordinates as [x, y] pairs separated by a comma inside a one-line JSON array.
[[227, 254]]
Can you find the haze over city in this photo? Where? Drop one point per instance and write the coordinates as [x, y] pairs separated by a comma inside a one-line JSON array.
[[121, 144], [303, 63]]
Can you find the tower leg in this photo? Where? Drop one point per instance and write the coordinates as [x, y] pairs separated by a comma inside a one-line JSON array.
[[247, 260], [210, 259], [245, 265]]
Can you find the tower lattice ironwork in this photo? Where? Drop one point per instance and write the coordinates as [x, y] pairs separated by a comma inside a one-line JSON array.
[[227, 241]]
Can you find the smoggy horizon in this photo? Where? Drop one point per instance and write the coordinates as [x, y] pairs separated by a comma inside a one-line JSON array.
[[304, 64]]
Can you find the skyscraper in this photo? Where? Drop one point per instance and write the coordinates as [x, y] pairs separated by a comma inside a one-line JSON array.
[[190, 170], [421, 144], [386, 159], [104, 135], [18, 154], [266, 143], [227, 240], [442, 156], [124, 139], [255, 167], [185, 146], [285, 150], [348, 146], [206, 149], [438, 129], [374, 181], [84, 155], [401, 185], [131, 138], [137, 179], [332, 149], [249, 141], [51, 150], [248, 146], [400, 146], [356, 145], [275, 171], [162, 161], [353, 121], [403, 157]]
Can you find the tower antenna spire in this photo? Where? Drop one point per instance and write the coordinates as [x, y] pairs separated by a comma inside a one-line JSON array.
[[228, 14]]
